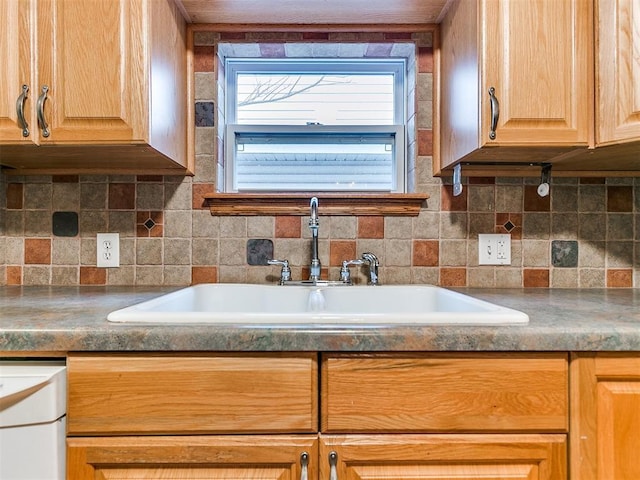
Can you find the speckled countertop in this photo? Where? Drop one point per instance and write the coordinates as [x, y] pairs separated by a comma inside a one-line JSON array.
[[56, 320]]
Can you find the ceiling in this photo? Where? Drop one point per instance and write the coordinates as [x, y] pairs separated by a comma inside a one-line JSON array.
[[341, 12]]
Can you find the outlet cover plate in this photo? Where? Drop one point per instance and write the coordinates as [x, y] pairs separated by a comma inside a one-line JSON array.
[[108, 250], [494, 249]]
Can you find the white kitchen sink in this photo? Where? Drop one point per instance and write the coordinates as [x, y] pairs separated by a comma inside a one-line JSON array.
[[219, 303]]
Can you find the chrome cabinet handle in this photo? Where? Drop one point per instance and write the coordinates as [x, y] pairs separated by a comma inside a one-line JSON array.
[[40, 107], [333, 463], [304, 463], [495, 112], [22, 123]]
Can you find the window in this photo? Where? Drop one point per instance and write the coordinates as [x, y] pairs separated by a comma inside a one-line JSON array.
[[315, 125]]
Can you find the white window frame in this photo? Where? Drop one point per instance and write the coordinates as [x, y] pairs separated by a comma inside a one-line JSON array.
[[396, 66]]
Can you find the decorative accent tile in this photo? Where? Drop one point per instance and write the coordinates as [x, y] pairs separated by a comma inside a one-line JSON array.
[[14, 275], [65, 224], [122, 196], [37, 251], [203, 58], [288, 227], [620, 278], [204, 274], [259, 251], [93, 276], [564, 253], [425, 59], [449, 202], [371, 227], [619, 199], [426, 253], [453, 277], [534, 202], [425, 142], [340, 250], [204, 114], [536, 278], [198, 190], [15, 196], [149, 224]]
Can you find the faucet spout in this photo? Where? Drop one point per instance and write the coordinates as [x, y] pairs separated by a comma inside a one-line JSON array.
[[314, 224]]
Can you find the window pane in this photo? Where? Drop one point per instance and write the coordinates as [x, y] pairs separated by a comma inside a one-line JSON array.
[[319, 162], [299, 99]]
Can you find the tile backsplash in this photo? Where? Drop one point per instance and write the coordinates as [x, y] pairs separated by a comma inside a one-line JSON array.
[[584, 234]]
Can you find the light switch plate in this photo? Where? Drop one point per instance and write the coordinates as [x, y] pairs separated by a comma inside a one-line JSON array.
[[494, 249], [108, 250]]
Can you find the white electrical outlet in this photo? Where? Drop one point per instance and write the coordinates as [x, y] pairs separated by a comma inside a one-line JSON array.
[[108, 249], [494, 249]]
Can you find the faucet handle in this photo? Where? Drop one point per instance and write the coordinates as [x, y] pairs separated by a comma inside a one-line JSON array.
[[345, 273], [285, 273]]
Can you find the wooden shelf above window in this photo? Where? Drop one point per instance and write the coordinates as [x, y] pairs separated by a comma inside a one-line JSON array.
[[407, 204]]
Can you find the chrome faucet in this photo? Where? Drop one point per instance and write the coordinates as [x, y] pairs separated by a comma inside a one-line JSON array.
[[372, 260], [314, 270]]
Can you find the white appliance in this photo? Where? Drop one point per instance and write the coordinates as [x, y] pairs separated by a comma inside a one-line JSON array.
[[32, 420]]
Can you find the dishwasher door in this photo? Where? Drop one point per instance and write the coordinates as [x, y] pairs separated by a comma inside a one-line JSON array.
[[32, 420]]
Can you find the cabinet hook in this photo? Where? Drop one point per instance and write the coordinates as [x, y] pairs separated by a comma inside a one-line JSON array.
[[545, 180]]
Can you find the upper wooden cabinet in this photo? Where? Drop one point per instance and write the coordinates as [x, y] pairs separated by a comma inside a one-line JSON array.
[[516, 80], [618, 85], [115, 76], [15, 52]]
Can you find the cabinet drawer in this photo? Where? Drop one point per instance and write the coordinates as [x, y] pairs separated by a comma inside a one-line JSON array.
[[445, 393], [162, 394]]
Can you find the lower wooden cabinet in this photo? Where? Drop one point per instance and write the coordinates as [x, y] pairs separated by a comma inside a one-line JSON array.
[[605, 421], [256, 416], [273, 457], [443, 457], [335, 457]]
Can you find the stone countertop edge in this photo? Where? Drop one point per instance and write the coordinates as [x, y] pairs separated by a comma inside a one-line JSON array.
[[73, 319]]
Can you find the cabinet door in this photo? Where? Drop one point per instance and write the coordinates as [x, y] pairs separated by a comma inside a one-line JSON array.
[[444, 457], [91, 56], [605, 425], [191, 458], [16, 71], [618, 71], [537, 55]]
